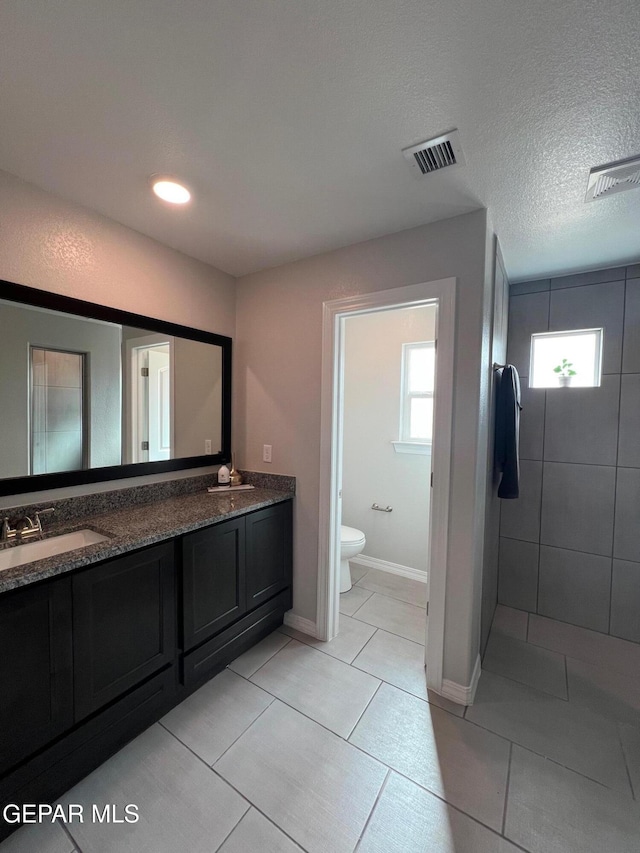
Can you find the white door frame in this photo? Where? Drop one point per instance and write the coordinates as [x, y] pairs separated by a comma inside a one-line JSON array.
[[443, 293]]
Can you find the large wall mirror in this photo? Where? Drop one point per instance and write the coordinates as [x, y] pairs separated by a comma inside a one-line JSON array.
[[89, 393]]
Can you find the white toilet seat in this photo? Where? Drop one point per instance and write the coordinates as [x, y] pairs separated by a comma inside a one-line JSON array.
[[351, 535]]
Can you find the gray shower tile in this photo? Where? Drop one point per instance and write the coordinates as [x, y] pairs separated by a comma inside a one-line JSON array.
[[631, 349], [522, 287], [590, 646], [630, 737], [633, 271], [518, 574], [629, 438], [531, 421], [626, 545], [625, 600], [510, 622], [526, 663], [38, 838], [554, 810], [520, 518], [582, 425], [591, 307], [575, 587], [569, 734], [577, 507], [591, 277], [604, 690], [527, 314]]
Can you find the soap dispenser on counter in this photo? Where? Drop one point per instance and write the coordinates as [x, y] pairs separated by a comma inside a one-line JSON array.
[[224, 476]]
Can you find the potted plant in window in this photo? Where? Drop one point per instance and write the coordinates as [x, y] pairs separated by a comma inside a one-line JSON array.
[[564, 372]]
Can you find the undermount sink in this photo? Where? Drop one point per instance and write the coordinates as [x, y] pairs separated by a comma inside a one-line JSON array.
[[18, 555]]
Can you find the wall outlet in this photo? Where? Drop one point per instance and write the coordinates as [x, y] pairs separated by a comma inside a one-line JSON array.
[[207, 446], [266, 453]]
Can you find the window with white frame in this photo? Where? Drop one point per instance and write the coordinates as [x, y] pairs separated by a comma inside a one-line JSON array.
[[417, 389], [571, 358]]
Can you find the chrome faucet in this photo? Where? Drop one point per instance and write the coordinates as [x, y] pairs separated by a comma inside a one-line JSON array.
[[24, 528]]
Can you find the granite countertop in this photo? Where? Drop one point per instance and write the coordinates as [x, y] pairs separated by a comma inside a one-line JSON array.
[[137, 526]]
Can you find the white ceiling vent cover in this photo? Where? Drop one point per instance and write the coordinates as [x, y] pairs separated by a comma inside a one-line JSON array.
[[613, 178], [435, 154]]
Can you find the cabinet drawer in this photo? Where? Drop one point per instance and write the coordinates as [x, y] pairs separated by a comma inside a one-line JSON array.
[[123, 625], [213, 656]]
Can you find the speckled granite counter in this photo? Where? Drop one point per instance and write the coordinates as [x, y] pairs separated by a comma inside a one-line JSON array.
[[137, 526]]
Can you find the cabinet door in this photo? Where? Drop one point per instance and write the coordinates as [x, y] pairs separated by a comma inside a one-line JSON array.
[[36, 682], [268, 553], [213, 580], [123, 625]]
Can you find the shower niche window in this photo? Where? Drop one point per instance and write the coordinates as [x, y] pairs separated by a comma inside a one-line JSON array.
[[58, 400], [566, 359]]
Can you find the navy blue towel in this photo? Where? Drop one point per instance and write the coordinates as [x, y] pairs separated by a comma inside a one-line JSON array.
[[508, 432]]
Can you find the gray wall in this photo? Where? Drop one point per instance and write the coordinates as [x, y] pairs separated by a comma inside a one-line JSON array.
[[570, 546], [278, 372]]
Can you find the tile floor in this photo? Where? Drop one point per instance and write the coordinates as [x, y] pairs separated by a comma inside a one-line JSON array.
[[312, 746]]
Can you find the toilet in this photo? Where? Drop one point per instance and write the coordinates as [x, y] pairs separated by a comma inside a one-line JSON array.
[[352, 542]]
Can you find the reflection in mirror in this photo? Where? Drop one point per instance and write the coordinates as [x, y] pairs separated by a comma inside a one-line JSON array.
[[79, 393]]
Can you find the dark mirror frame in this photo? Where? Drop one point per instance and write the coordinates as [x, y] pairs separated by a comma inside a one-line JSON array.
[[55, 302]]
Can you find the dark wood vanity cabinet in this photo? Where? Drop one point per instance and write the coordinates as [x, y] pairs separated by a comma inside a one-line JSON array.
[[236, 587], [36, 702], [90, 659], [123, 625]]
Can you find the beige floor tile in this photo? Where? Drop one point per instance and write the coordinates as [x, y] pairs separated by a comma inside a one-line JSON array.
[[581, 643], [396, 617], [354, 599], [604, 690], [532, 665], [510, 622], [450, 757], [395, 586], [325, 689], [312, 784], [183, 805], [630, 737], [408, 819], [211, 719], [38, 838], [554, 809], [253, 659], [401, 662], [571, 735], [352, 637], [256, 833]]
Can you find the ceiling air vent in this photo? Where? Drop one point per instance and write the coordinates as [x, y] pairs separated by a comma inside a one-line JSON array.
[[613, 178], [435, 154]]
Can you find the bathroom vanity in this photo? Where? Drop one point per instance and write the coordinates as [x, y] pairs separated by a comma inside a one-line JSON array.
[[99, 643]]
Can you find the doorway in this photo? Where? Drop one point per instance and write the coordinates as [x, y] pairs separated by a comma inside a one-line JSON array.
[[149, 392], [441, 296]]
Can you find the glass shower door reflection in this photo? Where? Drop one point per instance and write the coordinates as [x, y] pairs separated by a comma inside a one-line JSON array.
[[58, 433]]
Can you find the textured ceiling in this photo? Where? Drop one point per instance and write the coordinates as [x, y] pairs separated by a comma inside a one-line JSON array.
[[287, 118]]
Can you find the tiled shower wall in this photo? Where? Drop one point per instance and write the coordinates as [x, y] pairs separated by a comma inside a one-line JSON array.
[[570, 546]]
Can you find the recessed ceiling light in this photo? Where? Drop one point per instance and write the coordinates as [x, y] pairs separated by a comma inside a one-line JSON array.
[[169, 190]]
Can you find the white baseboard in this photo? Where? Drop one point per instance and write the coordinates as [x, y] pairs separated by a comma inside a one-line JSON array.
[[305, 626], [392, 568], [459, 693]]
